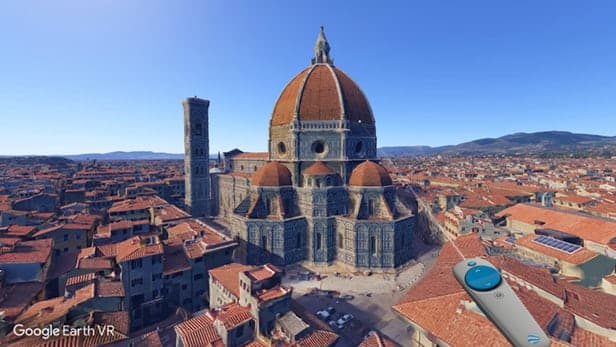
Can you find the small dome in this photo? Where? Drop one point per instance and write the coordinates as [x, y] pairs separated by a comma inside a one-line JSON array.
[[370, 174], [319, 168], [272, 174]]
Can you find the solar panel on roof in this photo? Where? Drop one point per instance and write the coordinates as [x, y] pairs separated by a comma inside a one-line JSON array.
[[557, 244]]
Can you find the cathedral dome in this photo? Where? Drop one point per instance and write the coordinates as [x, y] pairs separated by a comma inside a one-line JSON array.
[[370, 174], [272, 174], [319, 168], [322, 92]]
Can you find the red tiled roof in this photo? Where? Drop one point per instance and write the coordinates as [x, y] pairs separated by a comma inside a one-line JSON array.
[[231, 315], [19, 230], [108, 289], [95, 263], [198, 331], [37, 251], [135, 248], [271, 294], [537, 276], [47, 311], [369, 174], [263, 272], [445, 318], [228, 276], [376, 340], [582, 337], [319, 338], [272, 174], [252, 155], [175, 258], [590, 228], [580, 256], [318, 168], [119, 319], [80, 279], [16, 297], [593, 305]]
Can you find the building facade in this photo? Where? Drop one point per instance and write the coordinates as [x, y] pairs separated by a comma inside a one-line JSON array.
[[318, 195], [196, 156]]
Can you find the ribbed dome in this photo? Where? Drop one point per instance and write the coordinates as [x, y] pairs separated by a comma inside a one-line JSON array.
[[369, 174], [319, 93], [272, 174], [319, 168]]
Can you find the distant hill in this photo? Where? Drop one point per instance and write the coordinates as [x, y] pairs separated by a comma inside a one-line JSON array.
[[56, 161], [136, 155], [546, 142]]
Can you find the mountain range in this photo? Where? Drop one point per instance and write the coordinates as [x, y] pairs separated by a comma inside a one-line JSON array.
[[119, 155], [538, 143]]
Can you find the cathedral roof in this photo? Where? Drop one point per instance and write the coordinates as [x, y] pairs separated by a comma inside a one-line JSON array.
[[321, 92], [319, 168], [272, 174], [370, 174]]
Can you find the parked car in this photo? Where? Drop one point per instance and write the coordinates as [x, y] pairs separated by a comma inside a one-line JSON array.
[[326, 312], [344, 319], [323, 314]]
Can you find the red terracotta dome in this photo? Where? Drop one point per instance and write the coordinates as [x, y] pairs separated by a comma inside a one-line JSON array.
[[272, 174], [322, 92], [319, 168], [370, 174]]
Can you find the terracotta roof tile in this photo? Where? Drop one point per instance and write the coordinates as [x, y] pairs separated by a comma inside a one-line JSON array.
[[107, 289], [319, 168], [47, 311], [37, 251], [231, 315], [376, 340], [198, 331], [319, 338], [80, 279], [580, 256], [582, 337], [228, 276], [15, 298], [590, 228], [119, 319], [272, 174], [369, 174], [286, 103], [252, 155]]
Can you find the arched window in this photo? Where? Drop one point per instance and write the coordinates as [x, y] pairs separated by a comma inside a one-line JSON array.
[[372, 245], [264, 242], [318, 240], [340, 240], [371, 205], [298, 240]]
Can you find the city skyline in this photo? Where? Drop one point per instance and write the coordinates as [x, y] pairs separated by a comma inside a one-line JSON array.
[[112, 77]]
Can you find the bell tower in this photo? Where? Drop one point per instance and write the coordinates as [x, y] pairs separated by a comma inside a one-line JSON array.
[[196, 157]]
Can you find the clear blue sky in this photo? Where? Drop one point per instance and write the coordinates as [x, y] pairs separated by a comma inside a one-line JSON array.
[[99, 76]]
